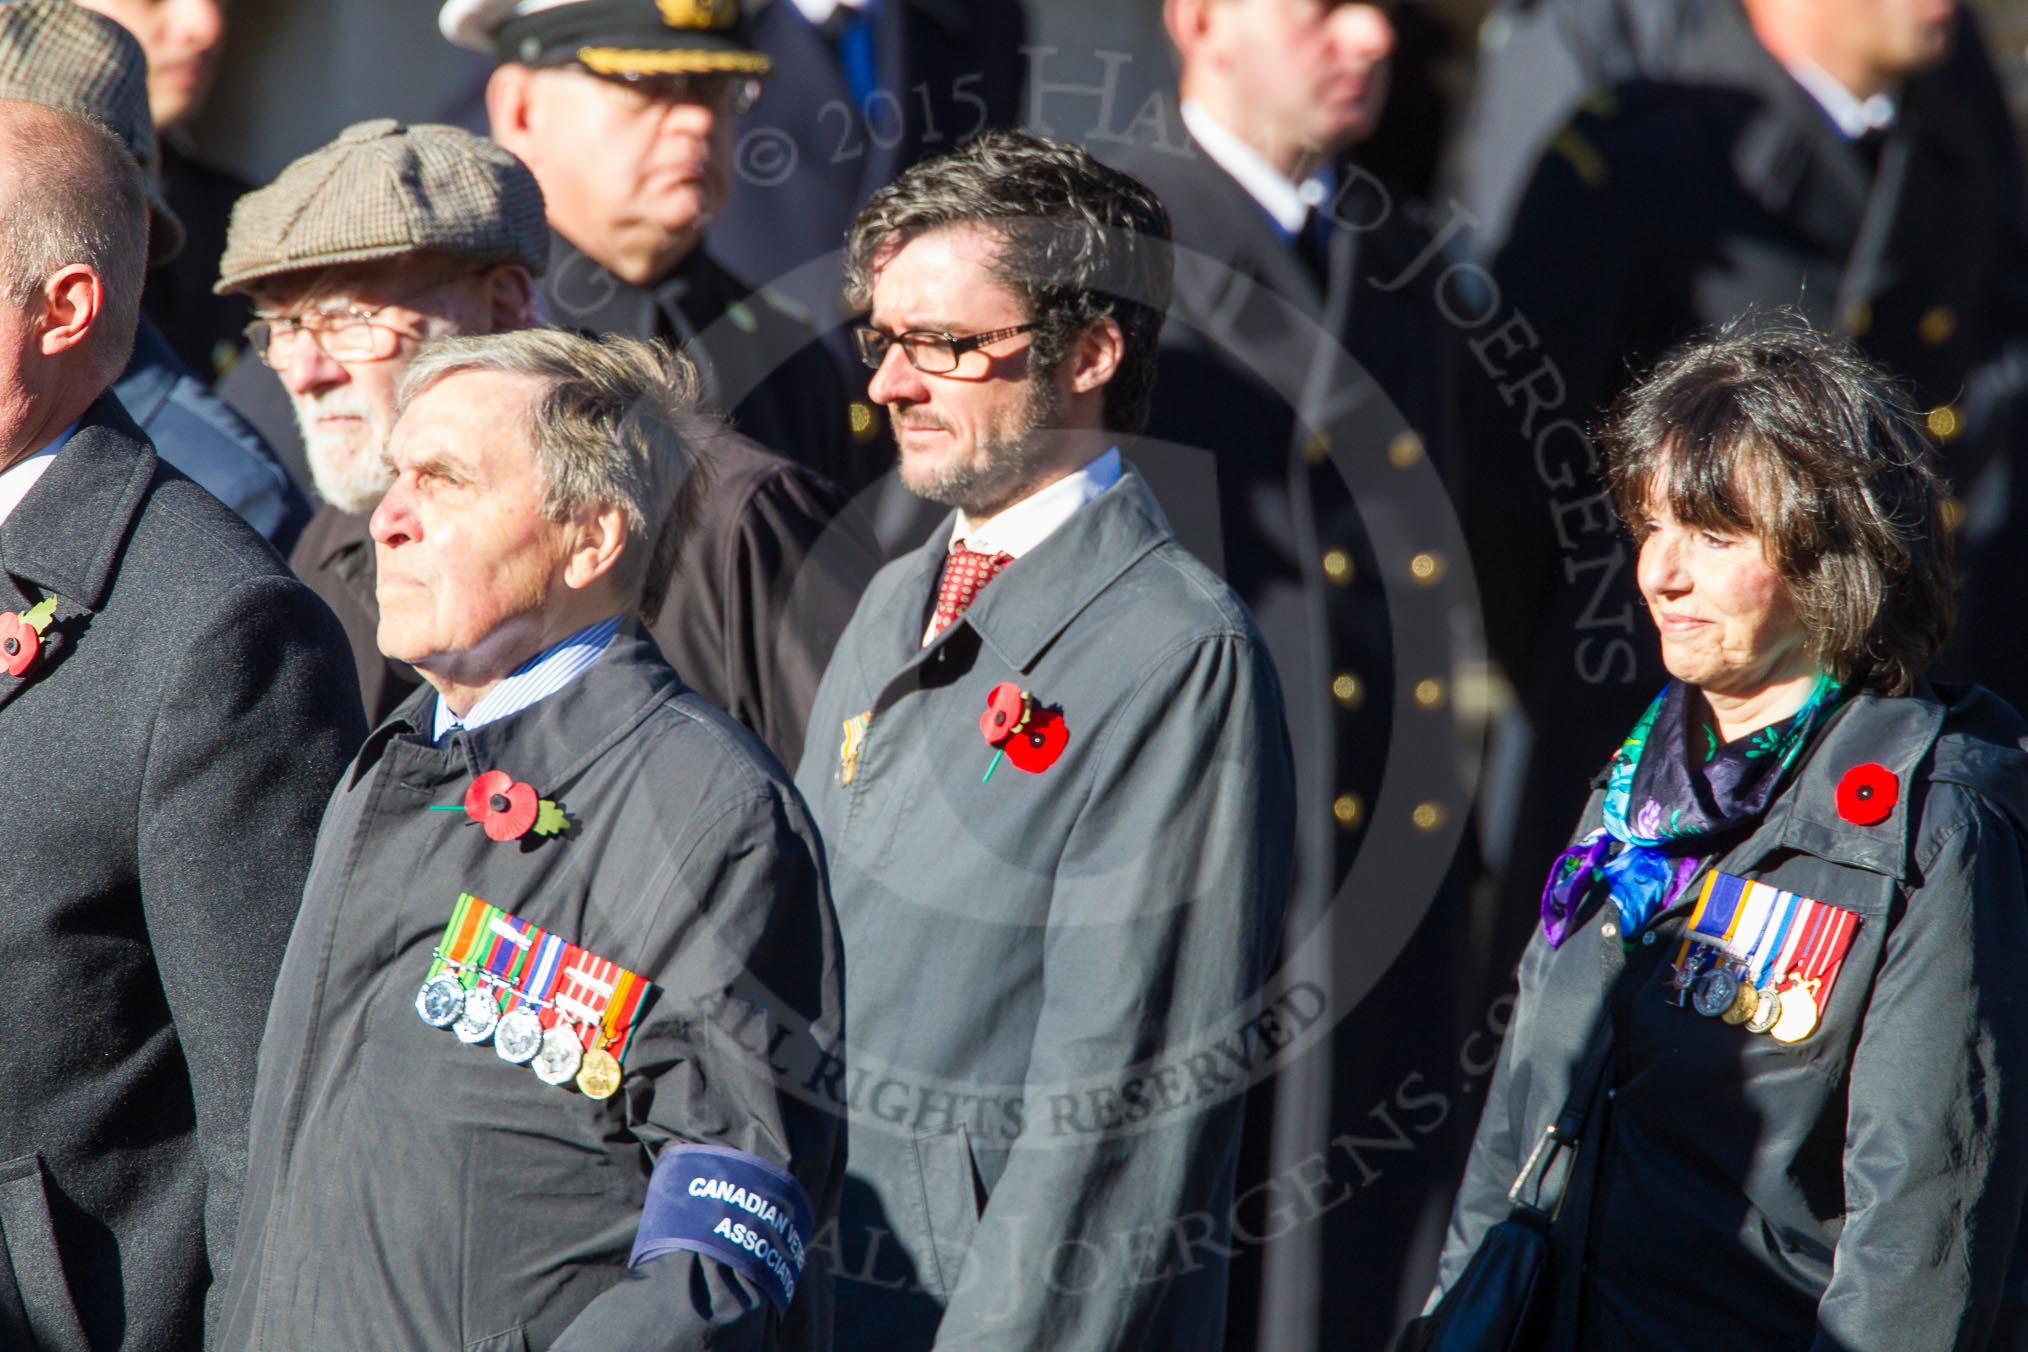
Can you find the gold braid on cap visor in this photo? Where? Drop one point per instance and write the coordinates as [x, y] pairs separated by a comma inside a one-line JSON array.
[[672, 61]]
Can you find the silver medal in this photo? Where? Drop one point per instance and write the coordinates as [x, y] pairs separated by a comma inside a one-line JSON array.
[[560, 1056], [1715, 992], [479, 1018], [519, 1036], [1769, 1011], [441, 1000]]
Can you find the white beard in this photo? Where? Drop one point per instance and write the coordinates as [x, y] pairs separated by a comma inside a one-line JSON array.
[[345, 466]]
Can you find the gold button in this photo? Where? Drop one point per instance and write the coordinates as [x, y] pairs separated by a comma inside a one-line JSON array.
[[1953, 514], [1349, 690], [862, 421], [1937, 324], [1427, 816], [1427, 568], [1405, 449], [1429, 693], [1315, 449], [1943, 422], [1349, 809], [1858, 318], [1338, 567]]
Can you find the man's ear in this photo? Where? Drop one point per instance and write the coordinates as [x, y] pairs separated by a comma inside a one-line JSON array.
[[1095, 356], [508, 100], [72, 302], [510, 300], [1187, 21], [599, 539]]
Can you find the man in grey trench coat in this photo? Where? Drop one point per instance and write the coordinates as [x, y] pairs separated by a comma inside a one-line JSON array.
[[1049, 764]]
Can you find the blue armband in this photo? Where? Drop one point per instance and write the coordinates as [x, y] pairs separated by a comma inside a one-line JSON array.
[[726, 1204]]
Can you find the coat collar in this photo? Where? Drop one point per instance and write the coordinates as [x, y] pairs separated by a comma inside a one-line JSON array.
[[1038, 595], [1895, 733], [552, 741], [67, 534]]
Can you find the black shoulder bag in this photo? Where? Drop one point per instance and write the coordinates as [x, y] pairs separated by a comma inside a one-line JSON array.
[[1499, 1302]]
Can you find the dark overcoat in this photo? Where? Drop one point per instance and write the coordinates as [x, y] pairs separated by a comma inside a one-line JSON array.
[[1038, 956], [1859, 1189], [164, 766], [409, 1191]]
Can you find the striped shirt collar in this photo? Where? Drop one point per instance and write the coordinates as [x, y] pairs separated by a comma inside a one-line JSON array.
[[543, 674]]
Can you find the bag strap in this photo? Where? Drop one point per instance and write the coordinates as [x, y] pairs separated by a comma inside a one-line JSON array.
[[1561, 1137]]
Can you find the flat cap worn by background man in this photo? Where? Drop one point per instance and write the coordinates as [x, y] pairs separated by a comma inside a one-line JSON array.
[[519, 1086], [391, 234], [174, 709]]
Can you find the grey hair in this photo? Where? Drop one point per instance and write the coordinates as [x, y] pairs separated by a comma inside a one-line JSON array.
[[1080, 242], [616, 425], [77, 196], [1777, 430]]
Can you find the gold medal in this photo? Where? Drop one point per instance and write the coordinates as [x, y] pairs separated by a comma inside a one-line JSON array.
[[1799, 1013], [1743, 1004], [599, 1076]]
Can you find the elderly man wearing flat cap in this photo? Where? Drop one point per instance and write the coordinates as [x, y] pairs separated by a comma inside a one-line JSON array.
[[53, 54], [626, 110], [391, 235], [174, 711]]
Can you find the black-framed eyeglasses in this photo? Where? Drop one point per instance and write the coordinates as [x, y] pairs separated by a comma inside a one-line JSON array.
[[343, 333], [927, 350]]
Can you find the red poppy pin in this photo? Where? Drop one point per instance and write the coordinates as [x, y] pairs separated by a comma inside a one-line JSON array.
[[1016, 727], [21, 636], [509, 809], [1867, 794]]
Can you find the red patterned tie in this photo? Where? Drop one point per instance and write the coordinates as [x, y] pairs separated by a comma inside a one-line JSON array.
[[966, 573]]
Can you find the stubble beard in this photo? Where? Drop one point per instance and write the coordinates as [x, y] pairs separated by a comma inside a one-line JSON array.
[[1003, 470]]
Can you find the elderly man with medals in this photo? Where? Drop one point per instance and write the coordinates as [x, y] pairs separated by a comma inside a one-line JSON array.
[[527, 1080], [1763, 1085]]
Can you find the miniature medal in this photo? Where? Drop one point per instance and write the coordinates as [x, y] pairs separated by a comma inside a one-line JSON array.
[[600, 1074], [1799, 1013], [519, 1036], [481, 1015], [1714, 992], [1767, 1013], [560, 1056], [441, 1000]]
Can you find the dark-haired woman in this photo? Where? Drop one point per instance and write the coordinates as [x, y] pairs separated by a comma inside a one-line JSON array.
[[1795, 904]]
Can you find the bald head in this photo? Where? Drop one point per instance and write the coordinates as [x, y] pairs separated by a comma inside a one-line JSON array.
[[73, 251]]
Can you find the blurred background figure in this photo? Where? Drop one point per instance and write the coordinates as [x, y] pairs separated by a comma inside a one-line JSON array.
[[1848, 160], [184, 41], [190, 428], [1322, 391], [861, 90], [627, 112]]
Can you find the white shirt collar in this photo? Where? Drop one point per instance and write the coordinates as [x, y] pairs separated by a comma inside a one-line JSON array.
[[817, 11], [1852, 115], [1017, 529], [543, 674], [19, 477], [1286, 202]]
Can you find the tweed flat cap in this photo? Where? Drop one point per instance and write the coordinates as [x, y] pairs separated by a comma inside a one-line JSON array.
[[61, 56], [610, 37], [383, 190]]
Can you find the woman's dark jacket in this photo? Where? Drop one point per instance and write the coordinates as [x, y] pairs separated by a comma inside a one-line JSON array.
[[1859, 1189]]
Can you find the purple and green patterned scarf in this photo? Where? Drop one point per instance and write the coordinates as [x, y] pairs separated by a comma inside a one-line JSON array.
[[1690, 790]]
